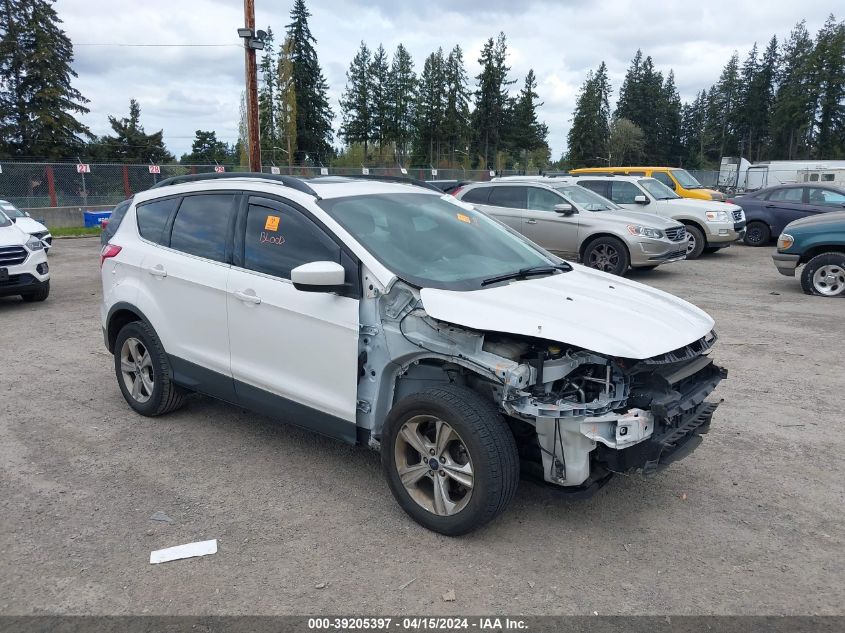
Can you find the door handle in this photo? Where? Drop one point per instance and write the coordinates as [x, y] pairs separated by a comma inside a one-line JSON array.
[[247, 298], [157, 270], [531, 221]]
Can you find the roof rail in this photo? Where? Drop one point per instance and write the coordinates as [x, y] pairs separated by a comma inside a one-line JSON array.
[[405, 179], [287, 181]]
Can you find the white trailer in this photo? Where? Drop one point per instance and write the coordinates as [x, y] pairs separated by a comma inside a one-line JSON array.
[[750, 177]]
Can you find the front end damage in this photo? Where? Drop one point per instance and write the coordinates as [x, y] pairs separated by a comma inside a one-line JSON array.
[[578, 416]]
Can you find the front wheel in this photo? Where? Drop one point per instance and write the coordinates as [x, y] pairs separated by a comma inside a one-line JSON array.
[[38, 295], [824, 275], [757, 234], [607, 254], [450, 459], [696, 243]]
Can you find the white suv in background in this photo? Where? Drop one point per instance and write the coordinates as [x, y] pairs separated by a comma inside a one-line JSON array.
[[391, 315], [23, 264], [710, 225], [27, 224]]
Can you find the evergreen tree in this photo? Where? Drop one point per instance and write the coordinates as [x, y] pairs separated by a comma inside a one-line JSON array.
[[267, 124], [357, 101], [313, 113], [640, 102], [429, 109], [527, 133], [669, 124], [693, 124], [724, 112], [626, 142], [402, 93], [130, 144], [456, 130], [491, 100], [206, 149], [38, 103], [286, 102], [380, 98], [829, 62], [792, 113], [588, 137]]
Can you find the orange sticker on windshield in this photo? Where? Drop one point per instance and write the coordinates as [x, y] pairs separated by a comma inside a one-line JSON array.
[[464, 218], [272, 223]]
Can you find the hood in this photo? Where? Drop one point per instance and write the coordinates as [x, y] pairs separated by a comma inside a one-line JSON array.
[[634, 217], [718, 196], [28, 225], [584, 307], [820, 220], [12, 236], [703, 205]]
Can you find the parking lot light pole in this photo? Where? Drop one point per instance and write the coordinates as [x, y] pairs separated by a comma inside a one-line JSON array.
[[251, 44]]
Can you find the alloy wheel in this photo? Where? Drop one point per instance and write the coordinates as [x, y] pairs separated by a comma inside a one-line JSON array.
[[434, 465], [690, 243], [136, 368], [605, 258], [829, 280]]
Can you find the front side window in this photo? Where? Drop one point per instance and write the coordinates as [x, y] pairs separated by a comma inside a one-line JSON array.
[[586, 199], [542, 199], [202, 224], [279, 238], [432, 241], [658, 190], [826, 197], [792, 194], [664, 178], [509, 196], [624, 192], [685, 179], [152, 217]]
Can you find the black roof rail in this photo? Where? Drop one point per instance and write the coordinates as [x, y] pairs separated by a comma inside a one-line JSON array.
[[406, 179], [287, 181]]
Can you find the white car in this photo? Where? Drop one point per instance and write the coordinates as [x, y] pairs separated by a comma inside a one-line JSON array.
[[23, 264], [390, 315], [710, 225], [27, 224]]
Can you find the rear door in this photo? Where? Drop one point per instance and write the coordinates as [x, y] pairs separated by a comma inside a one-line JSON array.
[[294, 353], [548, 228], [507, 204]]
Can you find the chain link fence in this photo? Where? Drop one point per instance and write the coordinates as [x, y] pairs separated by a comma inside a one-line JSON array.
[[43, 185]]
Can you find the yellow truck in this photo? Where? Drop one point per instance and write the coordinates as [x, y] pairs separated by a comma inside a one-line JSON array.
[[679, 180]]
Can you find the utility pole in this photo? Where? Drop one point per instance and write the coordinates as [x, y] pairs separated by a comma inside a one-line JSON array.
[[253, 142]]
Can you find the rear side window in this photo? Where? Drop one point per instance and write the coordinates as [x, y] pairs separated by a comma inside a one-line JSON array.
[[279, 238], [664, 178], [598, 186], [624, 192], [202, 224], [479, 195], [511, 197], [152, 216]]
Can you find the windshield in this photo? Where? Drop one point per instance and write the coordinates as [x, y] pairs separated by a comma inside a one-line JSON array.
[[11, 210], [586, 199], [432, 241], [4, 220], [658, 190], [686, 180]]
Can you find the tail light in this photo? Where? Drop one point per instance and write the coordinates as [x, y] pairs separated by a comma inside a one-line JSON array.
[[730, 201], [456, 191], [109, 251]]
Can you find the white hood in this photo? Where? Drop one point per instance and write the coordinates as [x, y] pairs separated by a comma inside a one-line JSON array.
[[702, 205], [584, 307], [28, 225], [12, 236]]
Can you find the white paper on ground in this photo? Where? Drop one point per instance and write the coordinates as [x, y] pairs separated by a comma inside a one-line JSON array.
[[188, 550]]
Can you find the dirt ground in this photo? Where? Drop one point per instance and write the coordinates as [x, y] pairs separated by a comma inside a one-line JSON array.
[[751, 523]]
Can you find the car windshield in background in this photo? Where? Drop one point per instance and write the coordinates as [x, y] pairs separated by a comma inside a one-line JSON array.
[[4, 220], [12, 211], [586, 199], [686, 180], [658, 189], [434, 242]]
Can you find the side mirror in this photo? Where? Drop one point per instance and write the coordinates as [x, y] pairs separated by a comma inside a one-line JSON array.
[[565, 209], [641, 199], [319, 277], [26, 213]]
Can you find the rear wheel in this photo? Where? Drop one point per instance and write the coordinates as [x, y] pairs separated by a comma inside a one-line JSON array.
[[143, 371], [38, 295], [607, 254], [696, 243], [450, 460], [757, 234], [824, 275]]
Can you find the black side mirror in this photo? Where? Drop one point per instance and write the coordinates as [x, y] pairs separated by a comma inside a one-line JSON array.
[[565, 209]]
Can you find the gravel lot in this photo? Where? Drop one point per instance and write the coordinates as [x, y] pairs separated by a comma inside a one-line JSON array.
[[751, 523]]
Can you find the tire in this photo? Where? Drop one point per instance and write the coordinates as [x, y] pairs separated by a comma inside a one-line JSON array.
[[757, 234], [824, 275], [164, 396], [480, 439], [38, 295], [607, 254], [697, 242]]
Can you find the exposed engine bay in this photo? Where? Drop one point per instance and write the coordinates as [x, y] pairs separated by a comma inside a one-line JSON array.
[[578, 416]]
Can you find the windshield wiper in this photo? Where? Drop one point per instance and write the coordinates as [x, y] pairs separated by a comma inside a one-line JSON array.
[[522, 273]]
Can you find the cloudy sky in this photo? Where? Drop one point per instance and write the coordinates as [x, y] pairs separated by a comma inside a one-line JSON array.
[[182, 89]]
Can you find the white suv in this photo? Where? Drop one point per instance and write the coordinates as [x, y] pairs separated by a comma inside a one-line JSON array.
[[27, 224], [23, 264], [391, 315]]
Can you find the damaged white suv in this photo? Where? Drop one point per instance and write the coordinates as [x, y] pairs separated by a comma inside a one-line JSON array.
[[387, 314]]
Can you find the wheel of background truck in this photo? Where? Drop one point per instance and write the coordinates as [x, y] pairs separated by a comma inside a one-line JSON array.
[[39, 295], [142, 371], [607, 254], [824, 275], [450, 459], [696, 243], [757, 234]]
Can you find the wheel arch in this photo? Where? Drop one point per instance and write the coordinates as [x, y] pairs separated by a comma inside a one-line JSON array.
[[820, 249], [595, 236], [121, 314]]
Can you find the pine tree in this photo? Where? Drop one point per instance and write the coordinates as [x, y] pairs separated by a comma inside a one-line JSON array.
[[670, 121], [456, 131], [357, 101], [380, 98], [429, 110], [693, 124], [206, 149], [725, 111], [402, 93], [267, 125], [286, 101], [829, 62], [313, 113], [130, 144], [792, 112], [38, 103], [588, 137], [639, 101], [527, 134], [491, 100]]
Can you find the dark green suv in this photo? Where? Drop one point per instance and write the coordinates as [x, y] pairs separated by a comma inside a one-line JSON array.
[[818, 242]]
